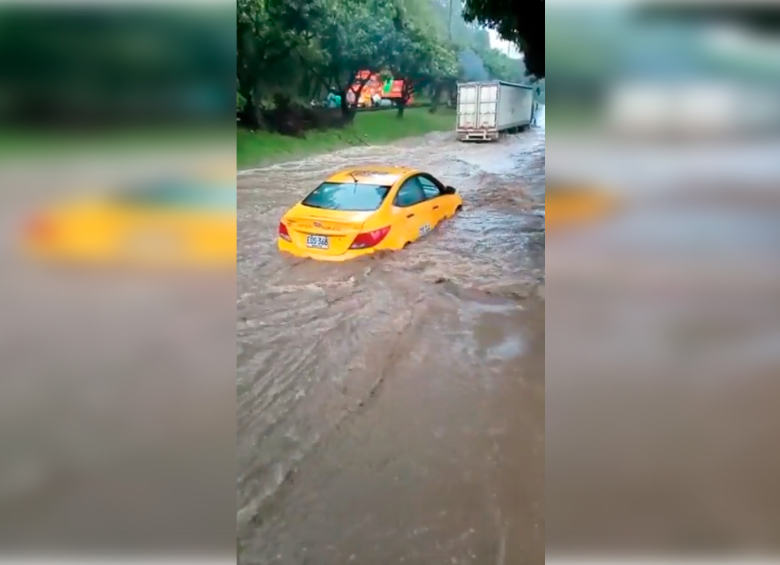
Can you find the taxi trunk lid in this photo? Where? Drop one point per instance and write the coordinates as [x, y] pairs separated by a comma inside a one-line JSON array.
[[328, 232]]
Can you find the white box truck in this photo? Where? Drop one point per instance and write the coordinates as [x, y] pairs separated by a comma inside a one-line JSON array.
[[488, 109]]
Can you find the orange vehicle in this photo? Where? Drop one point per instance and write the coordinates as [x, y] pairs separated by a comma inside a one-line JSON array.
[[391, 89], [394, 89], [372, 86]]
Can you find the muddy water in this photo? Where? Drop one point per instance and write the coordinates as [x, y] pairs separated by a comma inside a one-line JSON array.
[[391, 409]]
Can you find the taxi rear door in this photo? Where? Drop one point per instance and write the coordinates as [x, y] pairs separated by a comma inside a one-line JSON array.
[[411, 210], [436, 207]]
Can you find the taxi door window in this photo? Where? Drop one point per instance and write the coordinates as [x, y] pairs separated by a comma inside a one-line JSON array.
[[410, 193], [429, 187]]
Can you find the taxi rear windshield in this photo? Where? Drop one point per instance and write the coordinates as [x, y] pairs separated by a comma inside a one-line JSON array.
[[347, 196]]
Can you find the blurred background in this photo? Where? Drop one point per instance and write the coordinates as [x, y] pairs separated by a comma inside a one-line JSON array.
[[663, 215], [117, 278]]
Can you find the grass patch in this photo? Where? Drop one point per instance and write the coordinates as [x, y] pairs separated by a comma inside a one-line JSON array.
[[373, 128]]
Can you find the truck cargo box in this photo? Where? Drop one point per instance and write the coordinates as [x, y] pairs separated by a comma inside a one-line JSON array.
[[487, 109]]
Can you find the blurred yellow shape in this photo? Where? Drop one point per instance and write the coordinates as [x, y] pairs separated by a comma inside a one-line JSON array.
[[577, 206], [179, 223]]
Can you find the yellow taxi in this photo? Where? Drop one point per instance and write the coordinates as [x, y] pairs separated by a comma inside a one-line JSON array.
[[362, 210], [166, 222], [569, 206]]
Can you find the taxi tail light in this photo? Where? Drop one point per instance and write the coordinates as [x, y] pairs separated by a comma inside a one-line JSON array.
[[370, 239], [283, 233]]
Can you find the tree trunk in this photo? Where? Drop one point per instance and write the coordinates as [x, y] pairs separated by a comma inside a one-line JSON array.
[[358, 92], [406, 92], [346, 111], [436, 98], [249, 116], [401, 105]]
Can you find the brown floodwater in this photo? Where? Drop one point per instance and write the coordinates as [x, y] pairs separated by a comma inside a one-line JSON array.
[[391, 409]]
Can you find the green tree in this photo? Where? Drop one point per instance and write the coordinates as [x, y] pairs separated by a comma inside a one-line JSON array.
[[353, 35], [289, 51], [468, 38], [521, 22], [269, 33], [419, 58], [502, 67]]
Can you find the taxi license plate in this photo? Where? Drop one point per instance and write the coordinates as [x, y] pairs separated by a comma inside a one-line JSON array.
[[317, 241]]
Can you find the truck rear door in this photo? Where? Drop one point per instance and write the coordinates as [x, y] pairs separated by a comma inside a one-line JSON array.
[[487, 105], [467, 106]]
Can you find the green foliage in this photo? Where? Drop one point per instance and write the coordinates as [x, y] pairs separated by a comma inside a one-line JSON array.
[[353, 35], [269, 35], [470, 37], [502, 67], [300, 49], [421, 56], [518, 21]]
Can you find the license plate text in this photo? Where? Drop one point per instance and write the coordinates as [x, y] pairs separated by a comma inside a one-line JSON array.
[[317, 241]]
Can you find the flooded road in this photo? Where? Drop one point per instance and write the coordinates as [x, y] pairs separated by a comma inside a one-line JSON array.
[[391, 409]]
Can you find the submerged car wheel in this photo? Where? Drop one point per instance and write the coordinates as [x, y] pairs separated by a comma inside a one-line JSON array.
[[459, 208]]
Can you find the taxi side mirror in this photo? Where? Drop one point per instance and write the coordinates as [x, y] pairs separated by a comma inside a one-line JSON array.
[[449, 190]]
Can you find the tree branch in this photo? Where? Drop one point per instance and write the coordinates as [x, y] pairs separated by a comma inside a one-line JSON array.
[[325, 82]]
